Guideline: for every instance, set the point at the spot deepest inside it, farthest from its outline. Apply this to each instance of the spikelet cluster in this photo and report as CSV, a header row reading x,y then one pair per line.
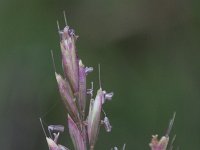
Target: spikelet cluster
x,y
83,127
83,124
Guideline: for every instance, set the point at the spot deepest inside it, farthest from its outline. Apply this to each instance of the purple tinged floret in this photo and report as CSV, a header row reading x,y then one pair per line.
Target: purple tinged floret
x,y
69,57
53,143
67,96
76,136
94,118
53,146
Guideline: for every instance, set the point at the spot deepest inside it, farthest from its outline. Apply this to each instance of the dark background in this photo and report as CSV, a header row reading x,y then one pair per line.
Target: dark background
x,y
149,55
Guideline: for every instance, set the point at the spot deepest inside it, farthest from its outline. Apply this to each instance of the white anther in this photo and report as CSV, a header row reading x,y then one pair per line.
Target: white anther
x,y
107,125
88,69
108,96
56,128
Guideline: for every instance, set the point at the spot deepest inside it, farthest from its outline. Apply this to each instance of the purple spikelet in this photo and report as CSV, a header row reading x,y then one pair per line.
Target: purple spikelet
x,y
76,135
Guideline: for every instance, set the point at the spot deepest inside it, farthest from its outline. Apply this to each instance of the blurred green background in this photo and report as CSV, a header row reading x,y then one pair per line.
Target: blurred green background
x,y
149,56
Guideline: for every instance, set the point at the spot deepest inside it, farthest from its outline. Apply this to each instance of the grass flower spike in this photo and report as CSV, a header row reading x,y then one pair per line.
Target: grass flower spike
x,y
83,125
84,122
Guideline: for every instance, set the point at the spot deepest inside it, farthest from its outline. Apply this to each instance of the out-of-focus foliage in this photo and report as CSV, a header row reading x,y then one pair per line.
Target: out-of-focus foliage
x,y
149,55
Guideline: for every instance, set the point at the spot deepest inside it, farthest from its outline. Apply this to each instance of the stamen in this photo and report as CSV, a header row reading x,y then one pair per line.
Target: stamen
x,y
88,69
108,96
90,91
